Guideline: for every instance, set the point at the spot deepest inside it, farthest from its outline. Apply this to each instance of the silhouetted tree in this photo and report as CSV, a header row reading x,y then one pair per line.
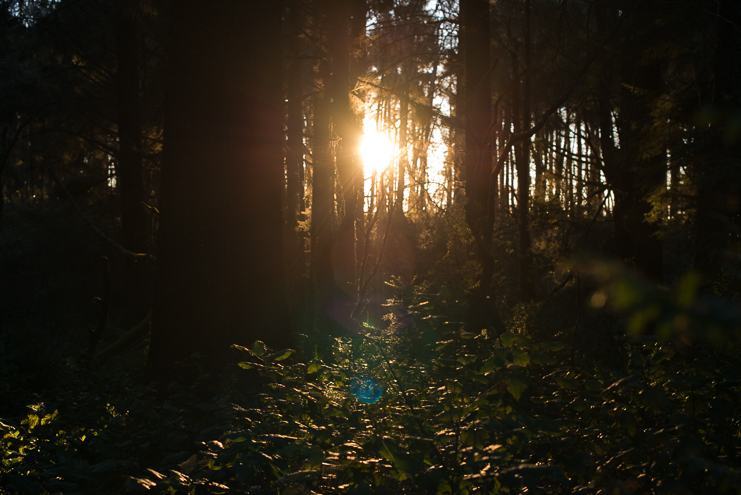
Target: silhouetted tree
x,y
221,249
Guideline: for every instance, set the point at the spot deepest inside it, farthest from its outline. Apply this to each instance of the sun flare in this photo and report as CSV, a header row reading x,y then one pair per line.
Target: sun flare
x,y
376,150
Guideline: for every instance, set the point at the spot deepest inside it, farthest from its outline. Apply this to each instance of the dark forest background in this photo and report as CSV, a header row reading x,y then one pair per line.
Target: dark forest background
x,y
204,289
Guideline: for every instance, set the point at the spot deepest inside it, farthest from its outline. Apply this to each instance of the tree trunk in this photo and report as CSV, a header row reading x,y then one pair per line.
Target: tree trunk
x,y
579,194
322,199
221,248
294,152
403,163
478,157
129,170
560,151
341,19
521,114
718,179
8,143
636,169
129,167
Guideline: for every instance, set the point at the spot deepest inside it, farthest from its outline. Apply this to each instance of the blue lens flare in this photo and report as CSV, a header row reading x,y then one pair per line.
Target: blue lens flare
x,y
365,389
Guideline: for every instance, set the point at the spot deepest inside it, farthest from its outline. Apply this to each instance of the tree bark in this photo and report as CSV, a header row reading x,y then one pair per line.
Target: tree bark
x,y
718,179
295,259
478,158
129,166
221,248
135,227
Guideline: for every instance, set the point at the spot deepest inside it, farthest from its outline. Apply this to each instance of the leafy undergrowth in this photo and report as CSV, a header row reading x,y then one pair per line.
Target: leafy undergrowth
x,y
458,413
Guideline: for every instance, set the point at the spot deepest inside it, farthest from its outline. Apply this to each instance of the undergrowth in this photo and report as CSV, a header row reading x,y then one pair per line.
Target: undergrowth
x,y
428,408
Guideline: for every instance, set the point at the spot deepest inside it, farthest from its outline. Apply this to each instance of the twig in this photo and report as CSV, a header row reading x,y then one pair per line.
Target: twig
x,y
515,138
364,287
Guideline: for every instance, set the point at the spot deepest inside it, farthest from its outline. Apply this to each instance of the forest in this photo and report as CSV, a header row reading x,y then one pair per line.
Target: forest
x,y
444,247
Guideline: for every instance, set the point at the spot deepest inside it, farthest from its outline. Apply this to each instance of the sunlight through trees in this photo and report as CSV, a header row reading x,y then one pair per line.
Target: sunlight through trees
x,y
363,247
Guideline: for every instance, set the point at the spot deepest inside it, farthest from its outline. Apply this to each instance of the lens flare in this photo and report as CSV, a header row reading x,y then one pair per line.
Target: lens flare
x,y
365,389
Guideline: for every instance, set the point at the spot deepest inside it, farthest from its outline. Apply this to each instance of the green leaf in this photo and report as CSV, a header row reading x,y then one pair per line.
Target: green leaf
x,y
632,381
280,355
314,367
552,346
487,366
519,357
258,349
330,411
407,464
567,383
444,488
247,366
32,421
467,359
314,455
533,475
515,387
542,358
139,484
454,414
474,437
507,339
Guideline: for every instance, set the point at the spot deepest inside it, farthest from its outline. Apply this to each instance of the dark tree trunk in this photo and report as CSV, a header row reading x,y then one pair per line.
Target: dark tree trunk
x,y
295,151
129,168
8,143
635,170
337,285
129,171
331,304
718,178
478,158
522,159
403,164
221,249
644,159
521,120
560,151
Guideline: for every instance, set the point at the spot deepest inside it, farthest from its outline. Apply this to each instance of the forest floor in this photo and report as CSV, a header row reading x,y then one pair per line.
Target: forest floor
x,y
647,402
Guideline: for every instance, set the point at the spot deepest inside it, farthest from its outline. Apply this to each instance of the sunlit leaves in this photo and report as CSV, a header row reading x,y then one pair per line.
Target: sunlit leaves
x,y
280,355
516,387
258,349
407,464
459,413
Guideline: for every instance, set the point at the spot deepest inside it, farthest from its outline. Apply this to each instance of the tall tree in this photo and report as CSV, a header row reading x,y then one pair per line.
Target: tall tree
x,y
521,116
478,155
716,174
221,250
129,166
295,205
135,227
629,92
346,27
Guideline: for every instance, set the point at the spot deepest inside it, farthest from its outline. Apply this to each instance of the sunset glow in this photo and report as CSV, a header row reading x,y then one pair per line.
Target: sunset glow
x,y
377,151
